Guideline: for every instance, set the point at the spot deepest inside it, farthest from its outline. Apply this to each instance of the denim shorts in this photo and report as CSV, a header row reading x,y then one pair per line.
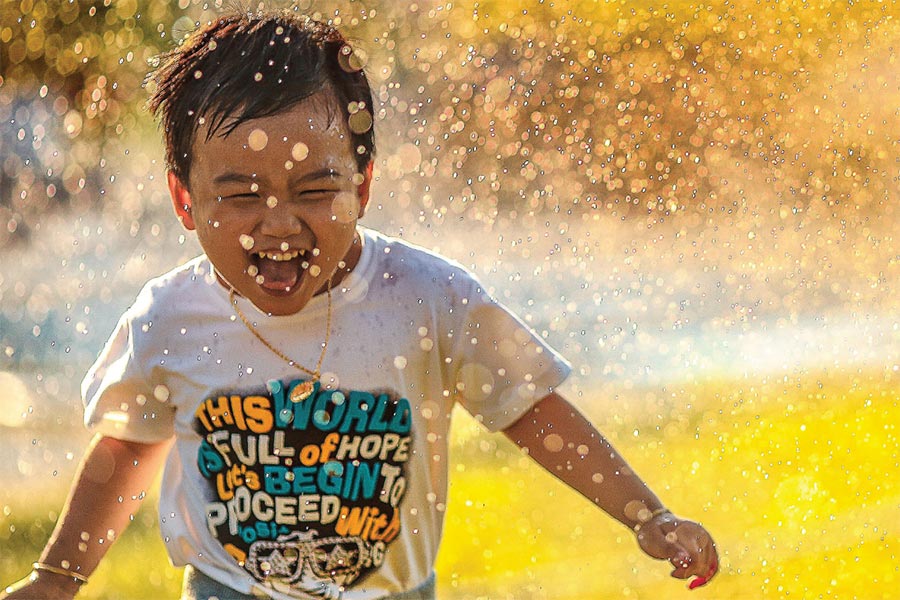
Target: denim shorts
x,y
198,586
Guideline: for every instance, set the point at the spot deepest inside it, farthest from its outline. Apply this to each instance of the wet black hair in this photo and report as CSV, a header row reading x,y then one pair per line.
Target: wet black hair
x,y
245,66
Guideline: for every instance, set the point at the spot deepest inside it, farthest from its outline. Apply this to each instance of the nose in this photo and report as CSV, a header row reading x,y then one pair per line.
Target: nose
x,y
279,221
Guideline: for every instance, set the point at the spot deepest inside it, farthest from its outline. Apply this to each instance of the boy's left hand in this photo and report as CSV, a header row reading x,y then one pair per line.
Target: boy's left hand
x,y
685,544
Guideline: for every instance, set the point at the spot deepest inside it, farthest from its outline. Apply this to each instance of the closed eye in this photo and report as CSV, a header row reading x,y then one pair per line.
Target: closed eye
x,y
319,192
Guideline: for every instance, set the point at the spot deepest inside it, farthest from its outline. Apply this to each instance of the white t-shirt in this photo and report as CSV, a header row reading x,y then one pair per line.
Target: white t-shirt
x,y
343,492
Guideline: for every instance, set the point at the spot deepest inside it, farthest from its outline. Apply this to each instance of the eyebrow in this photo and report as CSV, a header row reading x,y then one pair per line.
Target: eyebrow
x,y
233,177
326,173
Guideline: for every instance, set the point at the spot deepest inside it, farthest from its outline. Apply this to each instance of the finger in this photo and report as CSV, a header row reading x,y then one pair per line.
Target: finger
x,y
704,579
677,553
682,563
713,568
658,546
693,541
703,551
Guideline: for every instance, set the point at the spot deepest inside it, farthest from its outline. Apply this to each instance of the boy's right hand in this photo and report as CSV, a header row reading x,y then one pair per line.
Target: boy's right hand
x,y
41,586
685,544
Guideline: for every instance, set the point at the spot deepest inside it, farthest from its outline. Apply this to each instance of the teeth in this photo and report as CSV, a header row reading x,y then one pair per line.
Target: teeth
x,y
280,256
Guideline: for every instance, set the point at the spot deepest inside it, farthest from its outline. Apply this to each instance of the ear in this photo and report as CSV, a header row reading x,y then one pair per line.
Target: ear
x,y
363,190
181,200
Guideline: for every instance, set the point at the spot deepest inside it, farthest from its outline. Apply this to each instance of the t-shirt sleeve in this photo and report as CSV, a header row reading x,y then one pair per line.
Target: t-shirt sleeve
x,y
499,367
119,400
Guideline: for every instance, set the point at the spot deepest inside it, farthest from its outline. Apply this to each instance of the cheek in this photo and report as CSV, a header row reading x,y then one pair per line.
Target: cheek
x,y
345,208
222,217
212,224
221,230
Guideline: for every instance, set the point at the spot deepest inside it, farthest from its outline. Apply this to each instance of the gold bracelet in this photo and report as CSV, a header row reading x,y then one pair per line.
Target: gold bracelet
x,y
59,571
653,515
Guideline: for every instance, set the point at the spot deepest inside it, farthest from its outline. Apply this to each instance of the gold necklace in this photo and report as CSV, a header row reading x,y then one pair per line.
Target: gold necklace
x,y
304,390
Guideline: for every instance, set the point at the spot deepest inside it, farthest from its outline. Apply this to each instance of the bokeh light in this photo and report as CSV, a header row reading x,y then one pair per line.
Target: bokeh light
x,y
697,203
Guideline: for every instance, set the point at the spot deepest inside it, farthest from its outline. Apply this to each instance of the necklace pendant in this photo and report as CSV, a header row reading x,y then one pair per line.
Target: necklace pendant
x,y
302,391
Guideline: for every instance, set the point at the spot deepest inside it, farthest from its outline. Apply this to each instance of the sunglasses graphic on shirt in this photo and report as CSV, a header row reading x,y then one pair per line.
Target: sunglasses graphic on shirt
x,y
338,559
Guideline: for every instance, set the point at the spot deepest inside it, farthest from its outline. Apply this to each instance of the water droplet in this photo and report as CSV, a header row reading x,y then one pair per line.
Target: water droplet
x,y
636,510
247,241
554,442
400,362
351,59
428,409
299,151
271,201
360,122
321,417
330,381
257,140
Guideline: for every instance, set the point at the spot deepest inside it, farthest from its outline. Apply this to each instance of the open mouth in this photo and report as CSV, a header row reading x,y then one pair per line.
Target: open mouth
x,y
276,270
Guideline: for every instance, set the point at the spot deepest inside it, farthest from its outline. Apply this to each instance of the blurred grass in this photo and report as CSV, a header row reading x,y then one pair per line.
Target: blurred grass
x,y
792,477
791,474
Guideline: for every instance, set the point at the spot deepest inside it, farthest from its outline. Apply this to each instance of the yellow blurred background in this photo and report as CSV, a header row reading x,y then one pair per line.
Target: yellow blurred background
x,y
697,203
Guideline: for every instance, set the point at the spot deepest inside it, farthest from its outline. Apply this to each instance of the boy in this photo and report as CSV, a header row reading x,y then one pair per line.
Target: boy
x,y
298,378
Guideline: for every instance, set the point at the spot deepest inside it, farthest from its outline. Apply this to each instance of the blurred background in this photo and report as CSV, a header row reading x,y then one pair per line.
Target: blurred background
x,y
696,203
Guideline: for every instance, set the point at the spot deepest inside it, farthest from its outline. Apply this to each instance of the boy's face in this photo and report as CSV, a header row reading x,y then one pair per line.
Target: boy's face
x,y
275,204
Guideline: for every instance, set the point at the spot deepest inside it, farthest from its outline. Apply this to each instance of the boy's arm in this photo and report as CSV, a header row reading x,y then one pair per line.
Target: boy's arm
x,y
565,443
111,482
